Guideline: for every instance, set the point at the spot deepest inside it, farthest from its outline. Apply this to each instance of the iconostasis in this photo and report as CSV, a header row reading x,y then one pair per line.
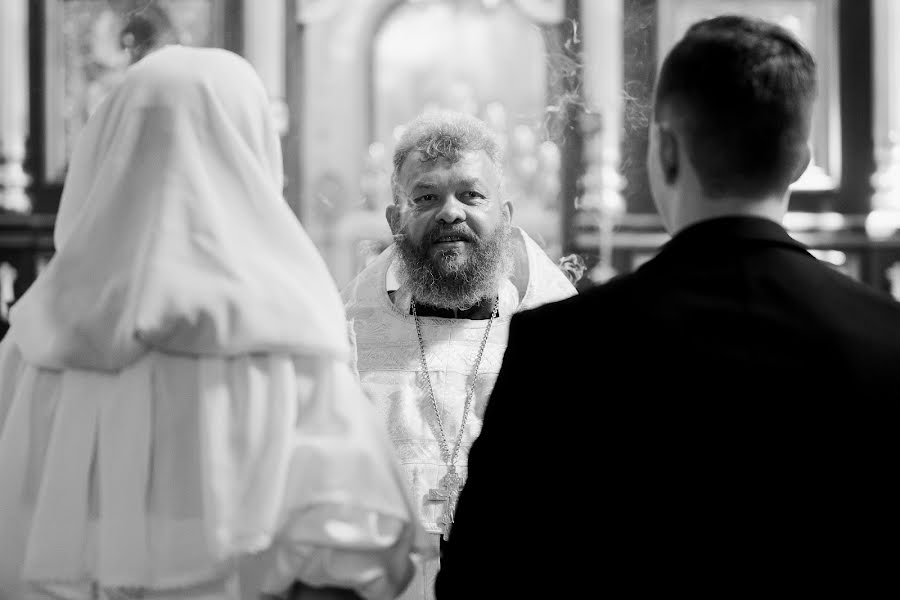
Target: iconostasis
x,y
565,84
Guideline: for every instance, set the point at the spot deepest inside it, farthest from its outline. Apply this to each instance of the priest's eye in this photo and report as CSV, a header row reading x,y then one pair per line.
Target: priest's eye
x,y
471,196
425,198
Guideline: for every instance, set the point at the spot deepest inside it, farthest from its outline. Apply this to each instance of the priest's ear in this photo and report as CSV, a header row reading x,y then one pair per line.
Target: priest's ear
x,y
507,207
392,214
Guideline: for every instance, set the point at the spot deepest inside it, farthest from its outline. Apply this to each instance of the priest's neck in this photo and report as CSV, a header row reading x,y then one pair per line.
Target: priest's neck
x,y
478,312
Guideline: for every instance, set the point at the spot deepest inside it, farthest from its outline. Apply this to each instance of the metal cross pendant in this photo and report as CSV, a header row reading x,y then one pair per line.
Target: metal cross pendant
x,y
448,493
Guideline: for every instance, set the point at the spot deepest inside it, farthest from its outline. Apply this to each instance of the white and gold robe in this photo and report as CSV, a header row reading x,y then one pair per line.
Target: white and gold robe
x,y
390,368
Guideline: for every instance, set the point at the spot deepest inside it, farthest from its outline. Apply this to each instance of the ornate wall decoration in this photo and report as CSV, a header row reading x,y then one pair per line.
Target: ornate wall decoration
x,y
87,49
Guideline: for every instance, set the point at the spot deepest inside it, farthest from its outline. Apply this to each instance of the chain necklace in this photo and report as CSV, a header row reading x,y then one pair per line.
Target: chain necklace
x,y
450,484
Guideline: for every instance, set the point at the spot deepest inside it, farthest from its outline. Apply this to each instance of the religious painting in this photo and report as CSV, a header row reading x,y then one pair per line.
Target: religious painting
x,y
89,44
814,22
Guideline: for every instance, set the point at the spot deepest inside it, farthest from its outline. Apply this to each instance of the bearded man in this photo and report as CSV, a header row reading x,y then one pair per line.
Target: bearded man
x,y
429,350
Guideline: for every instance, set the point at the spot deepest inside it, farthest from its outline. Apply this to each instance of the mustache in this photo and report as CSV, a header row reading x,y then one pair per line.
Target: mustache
x,y
460,231
445,281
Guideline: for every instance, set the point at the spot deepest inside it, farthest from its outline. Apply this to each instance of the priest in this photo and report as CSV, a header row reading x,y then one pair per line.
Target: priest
x,y
430,316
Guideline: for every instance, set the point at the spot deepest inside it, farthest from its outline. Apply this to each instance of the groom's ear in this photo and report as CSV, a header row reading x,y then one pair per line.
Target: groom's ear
x,y
802,163
392,214
669,155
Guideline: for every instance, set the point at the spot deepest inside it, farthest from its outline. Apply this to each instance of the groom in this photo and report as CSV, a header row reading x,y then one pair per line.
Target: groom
x,y
726,426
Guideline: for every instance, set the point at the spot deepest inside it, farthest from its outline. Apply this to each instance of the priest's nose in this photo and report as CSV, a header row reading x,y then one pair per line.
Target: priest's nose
x,y
451,211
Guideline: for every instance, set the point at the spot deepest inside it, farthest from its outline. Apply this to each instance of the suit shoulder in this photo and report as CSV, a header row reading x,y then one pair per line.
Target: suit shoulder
x,y
590,304
866,301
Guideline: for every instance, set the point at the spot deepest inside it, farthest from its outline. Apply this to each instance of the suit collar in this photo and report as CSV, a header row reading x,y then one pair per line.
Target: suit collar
x,y
730,231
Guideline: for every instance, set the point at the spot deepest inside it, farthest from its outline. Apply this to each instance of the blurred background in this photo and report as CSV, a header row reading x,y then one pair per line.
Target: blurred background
x,y
566,84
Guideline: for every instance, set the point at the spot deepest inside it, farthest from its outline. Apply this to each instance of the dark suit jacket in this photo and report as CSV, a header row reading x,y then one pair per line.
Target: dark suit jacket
x,y
719,421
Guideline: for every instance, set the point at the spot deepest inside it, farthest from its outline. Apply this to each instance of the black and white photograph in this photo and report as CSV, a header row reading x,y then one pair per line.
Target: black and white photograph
x,y
448,299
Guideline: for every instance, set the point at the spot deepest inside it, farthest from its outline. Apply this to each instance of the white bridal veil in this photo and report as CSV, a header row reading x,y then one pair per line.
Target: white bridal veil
x,y
174,387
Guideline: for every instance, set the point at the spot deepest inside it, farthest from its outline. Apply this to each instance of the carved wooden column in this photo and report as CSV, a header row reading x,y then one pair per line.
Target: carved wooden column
x,y
7,288
13,104
265,48
603,67
884,219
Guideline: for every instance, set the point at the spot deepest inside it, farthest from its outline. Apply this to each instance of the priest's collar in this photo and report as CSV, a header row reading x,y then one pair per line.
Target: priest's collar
x,y
509,302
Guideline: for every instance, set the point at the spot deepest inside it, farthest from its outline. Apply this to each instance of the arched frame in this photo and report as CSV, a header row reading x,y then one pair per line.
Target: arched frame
x,y
335,115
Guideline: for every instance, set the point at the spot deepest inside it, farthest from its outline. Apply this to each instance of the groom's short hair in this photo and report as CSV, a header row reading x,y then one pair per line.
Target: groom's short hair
x,y
742,90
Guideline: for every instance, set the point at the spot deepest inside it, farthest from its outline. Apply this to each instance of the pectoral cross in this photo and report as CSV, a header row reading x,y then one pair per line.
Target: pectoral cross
x,y
448,493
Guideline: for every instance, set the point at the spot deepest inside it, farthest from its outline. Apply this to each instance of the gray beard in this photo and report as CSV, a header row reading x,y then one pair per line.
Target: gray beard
x,y
443,282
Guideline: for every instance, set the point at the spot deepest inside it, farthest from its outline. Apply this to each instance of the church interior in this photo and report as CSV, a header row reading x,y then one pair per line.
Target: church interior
x,y
566,85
